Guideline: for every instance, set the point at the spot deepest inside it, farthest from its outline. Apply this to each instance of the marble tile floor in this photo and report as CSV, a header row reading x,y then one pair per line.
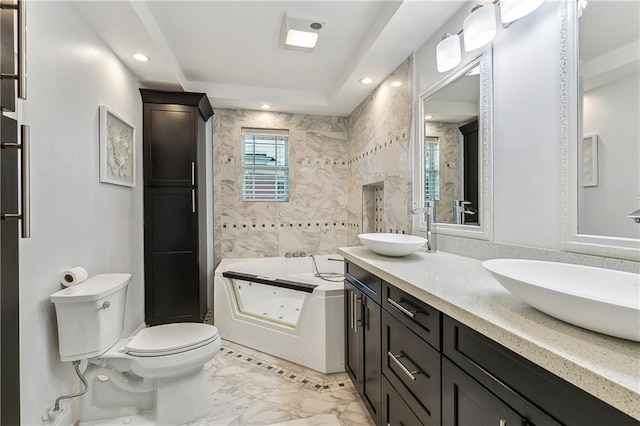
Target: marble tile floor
x,y
249,387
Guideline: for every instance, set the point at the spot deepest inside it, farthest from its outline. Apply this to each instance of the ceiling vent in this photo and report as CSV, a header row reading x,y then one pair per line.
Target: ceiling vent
x,y
299,34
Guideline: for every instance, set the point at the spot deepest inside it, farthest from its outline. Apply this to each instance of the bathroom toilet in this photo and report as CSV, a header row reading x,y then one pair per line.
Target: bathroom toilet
x,y
155,376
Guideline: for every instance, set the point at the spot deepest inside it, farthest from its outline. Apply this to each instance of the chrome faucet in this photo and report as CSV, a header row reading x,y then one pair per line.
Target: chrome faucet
x,y
459,211
430,210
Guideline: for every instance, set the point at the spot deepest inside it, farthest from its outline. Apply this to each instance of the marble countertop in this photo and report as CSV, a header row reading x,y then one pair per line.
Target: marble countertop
x,y
606,367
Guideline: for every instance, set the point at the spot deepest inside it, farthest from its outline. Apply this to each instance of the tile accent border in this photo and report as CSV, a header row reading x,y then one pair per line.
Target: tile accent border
x,y
285,372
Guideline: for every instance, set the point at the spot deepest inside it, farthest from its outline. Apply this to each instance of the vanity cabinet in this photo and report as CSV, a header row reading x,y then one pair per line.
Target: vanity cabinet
x,y
411,352
537,395
466,402
395,410
362,336
175,255
434,370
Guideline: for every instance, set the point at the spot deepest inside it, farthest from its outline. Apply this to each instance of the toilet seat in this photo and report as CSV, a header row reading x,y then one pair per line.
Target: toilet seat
x,y
170,339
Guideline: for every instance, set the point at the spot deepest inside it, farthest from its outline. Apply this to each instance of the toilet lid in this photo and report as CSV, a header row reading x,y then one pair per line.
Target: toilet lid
x,y
170,339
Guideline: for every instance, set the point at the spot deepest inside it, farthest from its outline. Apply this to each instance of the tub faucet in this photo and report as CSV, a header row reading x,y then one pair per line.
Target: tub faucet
x,y
430,210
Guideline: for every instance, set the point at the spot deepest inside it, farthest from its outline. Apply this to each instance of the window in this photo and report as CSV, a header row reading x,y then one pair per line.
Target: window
x,y
431,168
265,165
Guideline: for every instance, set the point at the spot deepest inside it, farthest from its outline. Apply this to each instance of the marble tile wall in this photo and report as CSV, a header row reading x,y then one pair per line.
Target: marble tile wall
x,y
379,151
371,146
315,218
372,207
449,149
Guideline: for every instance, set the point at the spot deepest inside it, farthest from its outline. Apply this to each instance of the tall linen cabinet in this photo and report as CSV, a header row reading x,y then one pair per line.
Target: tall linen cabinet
x,y
175,249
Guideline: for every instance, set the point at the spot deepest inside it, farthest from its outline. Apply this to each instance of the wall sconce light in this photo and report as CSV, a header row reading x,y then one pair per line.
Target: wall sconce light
x,y
479,28
299,34
448,54
512,10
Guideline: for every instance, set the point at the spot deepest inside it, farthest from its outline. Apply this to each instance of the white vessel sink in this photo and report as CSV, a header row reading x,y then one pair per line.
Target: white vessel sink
x,y
392,244
597,299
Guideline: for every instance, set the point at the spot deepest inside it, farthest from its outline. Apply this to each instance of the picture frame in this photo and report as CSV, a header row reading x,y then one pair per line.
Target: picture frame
x,y
590,160
117,149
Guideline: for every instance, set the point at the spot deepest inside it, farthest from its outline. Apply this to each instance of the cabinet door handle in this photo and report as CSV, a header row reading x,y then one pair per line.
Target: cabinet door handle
x,y
405,370
20,76
193,201
357,308
25,185
401,308
193,173
352,321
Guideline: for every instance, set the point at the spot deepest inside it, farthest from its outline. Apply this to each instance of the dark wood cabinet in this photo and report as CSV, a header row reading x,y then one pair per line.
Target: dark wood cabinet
x,y
467,403
9,196
170,145
362,341
537,395
433,370
174,205
412,366
395,411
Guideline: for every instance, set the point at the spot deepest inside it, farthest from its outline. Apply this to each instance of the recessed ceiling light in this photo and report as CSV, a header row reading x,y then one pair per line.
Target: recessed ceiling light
x,y
265,106
140,57
428,117
366,80
396,84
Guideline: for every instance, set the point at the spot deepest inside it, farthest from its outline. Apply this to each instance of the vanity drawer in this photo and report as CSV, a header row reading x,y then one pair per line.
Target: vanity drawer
x,y
540,396
412,366
396,412
364,280
421,318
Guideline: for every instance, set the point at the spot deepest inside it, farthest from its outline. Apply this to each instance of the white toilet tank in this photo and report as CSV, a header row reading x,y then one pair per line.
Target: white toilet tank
x,y
90,315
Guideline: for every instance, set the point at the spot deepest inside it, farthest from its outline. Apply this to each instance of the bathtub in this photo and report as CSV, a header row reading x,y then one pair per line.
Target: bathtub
x,y
277,306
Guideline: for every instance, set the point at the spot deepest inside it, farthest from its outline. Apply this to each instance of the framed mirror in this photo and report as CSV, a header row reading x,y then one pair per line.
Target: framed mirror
x,y
600,132
453,155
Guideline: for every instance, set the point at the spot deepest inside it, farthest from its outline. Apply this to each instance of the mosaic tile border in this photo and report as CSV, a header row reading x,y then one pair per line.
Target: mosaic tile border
x,y
305,381
302,224
356,226
379,147
319,162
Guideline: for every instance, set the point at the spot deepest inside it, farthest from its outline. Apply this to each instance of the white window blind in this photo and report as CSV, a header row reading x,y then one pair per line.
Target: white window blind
x,y
265,165
431,168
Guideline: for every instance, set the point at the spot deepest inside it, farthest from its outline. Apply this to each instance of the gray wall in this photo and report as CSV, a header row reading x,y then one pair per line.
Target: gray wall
x,y
76,220
526,123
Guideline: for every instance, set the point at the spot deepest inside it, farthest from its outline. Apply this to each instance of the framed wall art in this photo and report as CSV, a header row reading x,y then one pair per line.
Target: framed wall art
x,y
117,149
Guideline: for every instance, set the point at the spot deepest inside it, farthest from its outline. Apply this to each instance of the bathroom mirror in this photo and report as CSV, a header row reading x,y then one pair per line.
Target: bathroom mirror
x,y
600,106
453,151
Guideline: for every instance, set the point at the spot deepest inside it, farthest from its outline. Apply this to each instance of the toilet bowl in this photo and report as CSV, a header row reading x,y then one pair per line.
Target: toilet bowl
x,y
155,376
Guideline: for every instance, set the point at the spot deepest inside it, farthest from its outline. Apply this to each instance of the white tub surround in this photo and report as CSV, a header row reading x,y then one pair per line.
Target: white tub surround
x,y
603,366
278,306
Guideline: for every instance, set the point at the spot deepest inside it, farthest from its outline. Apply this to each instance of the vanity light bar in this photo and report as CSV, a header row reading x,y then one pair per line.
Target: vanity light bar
x,y
479,29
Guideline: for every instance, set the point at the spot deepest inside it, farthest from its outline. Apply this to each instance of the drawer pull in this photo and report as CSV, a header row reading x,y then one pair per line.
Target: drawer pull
x,y
410,374
401,308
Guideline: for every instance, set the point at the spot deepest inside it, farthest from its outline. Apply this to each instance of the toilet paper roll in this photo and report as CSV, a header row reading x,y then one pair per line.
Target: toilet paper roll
x,y
73,276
